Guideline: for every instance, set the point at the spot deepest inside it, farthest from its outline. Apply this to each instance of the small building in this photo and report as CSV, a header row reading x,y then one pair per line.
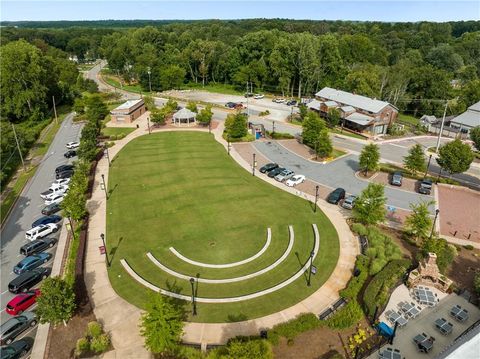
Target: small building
x,y
467,120
428,274
128,112
359,113
184,116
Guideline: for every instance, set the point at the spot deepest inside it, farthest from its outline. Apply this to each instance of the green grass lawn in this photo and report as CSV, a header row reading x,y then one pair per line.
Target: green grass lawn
x,y
181,189
407,119
115,131
211,87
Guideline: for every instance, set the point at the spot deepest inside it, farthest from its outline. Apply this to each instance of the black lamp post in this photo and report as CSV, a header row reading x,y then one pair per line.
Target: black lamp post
x,y
194,304
273,128
254,164
437,211
228,144
428,166
105,246
316,199
149,81
104,186
108,156
148,124
312,253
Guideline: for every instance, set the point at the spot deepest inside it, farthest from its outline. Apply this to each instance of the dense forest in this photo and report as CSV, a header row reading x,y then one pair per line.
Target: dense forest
x,y
411,65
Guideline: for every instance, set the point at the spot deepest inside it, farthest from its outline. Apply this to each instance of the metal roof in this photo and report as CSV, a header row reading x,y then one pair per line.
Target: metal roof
x,y
357,101
475,107
360,118
347,109
314,104
128,104
471,117
330,103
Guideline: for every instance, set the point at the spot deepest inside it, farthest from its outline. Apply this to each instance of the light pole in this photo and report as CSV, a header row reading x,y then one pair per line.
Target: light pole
x,y
108,156
316,199
194,304
273,127
254,164
437,211
441,128
312,253
149,80
148,124
428,166
104,186
228,144
105,246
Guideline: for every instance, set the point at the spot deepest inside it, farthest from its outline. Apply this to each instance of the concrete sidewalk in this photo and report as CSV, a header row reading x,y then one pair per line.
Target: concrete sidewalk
x,y
121,318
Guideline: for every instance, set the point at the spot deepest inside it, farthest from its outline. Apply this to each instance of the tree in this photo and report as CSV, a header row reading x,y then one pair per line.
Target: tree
x,y
369,158
455,157
445,252
171,76
192,106
238,125
312,126
415,160
476,283
303,111
158,116
149,103
57,302
205,115
333,117
475,137
95,109
162,324
323,144
419,222
370,205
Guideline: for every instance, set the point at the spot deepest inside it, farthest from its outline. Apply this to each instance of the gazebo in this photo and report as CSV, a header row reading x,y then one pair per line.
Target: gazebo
x,y
184,116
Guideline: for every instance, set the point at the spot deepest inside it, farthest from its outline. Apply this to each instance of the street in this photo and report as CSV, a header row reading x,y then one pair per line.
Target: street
x,y
27,209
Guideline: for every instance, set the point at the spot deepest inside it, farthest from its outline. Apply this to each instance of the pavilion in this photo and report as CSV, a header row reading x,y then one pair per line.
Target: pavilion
x,y
184,116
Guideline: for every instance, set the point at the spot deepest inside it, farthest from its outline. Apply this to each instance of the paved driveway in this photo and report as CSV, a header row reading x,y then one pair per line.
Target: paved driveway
x,y
339,173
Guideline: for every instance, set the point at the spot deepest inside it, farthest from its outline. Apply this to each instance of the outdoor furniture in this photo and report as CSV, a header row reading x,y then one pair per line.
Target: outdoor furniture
x,y
425,296
459,313
392,316
401,321
419,338
424,344
443,326
390,353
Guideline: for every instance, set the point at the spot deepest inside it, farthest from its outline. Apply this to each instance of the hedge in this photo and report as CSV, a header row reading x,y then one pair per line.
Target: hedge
x,y
346,317
293,327
280,135
378,290
356,283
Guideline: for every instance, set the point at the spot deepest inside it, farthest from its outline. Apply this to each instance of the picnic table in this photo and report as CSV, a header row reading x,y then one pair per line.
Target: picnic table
x,y
443,326
459,313
410,310
390,353
425,296
423,343
395,317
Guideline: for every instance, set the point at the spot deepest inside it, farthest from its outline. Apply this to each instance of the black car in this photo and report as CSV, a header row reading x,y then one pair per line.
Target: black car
x,y
268,167
51,209
396,179
64,174
70,154
275,172
230,104
425,187
46,220
336,196
37,246
249,94
291,103
28,279
64,168
16,350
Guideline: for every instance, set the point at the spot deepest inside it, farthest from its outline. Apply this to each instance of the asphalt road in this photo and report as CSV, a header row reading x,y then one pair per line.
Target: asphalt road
x,y
27,209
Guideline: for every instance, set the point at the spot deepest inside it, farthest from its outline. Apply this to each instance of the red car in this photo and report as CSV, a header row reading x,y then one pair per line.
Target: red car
x,y
22,302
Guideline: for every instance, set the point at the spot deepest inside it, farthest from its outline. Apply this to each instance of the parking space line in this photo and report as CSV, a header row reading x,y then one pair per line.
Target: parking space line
x,y
24,334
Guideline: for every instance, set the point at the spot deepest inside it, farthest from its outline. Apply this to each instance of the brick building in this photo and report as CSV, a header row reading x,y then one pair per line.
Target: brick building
x,y
128,112
358,113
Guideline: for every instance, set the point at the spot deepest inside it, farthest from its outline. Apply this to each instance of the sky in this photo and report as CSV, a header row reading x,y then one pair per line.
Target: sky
x,y
386,10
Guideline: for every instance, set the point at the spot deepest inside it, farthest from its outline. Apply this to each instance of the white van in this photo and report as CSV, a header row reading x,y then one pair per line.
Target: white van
x,y
41,231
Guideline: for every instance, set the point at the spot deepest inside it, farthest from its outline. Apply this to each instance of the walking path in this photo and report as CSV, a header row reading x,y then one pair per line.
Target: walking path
x,y
120,317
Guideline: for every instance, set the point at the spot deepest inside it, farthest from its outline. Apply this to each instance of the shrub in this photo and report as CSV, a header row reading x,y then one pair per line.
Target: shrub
x,y
360,229
82,346
100,343
468,246
264,113
356,283
280,135
381,249
346,316
94,329
293,327
476,283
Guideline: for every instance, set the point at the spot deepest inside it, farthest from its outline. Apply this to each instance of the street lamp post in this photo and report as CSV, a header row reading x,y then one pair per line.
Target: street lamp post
x,y
273,127
194,304
428,166
108,156
104,186
437,211
149,80
312,253
105,246
254,164
316,199
148,124
228,144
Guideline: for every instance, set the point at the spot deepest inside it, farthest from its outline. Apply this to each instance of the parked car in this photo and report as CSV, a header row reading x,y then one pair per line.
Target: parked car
x,y
275,172
41,231
72,145
64,168
291,103
64,174
16,350
70,154
230,104
349,202
46,220
15,326
60,182
336,196
58,198
278,100
284,175
268,167
258,96
51,209
239,106
294,180
27,280
22,302
396,179
37,246
51,192
249,94
425,187
31,262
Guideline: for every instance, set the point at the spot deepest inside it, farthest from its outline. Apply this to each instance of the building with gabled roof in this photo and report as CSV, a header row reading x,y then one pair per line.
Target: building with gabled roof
x,y
467,120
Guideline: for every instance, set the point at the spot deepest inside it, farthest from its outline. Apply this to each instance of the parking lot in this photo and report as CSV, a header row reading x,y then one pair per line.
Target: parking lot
x,y
28,208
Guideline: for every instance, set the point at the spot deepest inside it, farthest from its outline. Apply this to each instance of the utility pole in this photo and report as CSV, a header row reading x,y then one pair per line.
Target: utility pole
x,y
149,80
55,110
248,93
18,147
441,127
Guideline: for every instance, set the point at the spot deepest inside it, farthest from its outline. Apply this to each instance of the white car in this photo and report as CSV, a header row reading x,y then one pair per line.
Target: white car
x,y
58,198
60,182
41,231
297,179
72,145
51,192
258,96
278,100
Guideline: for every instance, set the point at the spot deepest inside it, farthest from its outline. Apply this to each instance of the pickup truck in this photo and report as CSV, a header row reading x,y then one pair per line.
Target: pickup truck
x,y
425,187
53,191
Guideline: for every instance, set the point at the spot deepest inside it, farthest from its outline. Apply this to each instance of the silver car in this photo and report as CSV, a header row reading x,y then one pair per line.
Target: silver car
x,y
349,202
284,175
15,326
